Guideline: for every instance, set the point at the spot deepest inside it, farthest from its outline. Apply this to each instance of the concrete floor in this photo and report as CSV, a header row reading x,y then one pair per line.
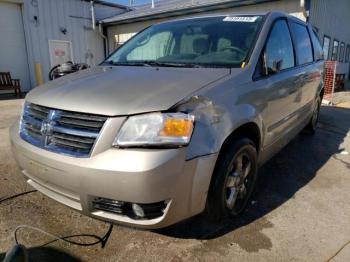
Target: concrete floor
x,y
301,211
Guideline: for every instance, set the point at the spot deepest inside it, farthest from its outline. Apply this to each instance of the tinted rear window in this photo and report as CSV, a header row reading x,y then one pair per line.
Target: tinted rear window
x,y
318,52
303,43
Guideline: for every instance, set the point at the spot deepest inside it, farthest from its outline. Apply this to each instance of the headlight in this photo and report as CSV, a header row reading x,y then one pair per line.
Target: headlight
x,y
25,107
156,129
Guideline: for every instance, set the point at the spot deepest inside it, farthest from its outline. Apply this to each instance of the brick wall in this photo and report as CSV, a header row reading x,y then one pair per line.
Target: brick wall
x,y
329,71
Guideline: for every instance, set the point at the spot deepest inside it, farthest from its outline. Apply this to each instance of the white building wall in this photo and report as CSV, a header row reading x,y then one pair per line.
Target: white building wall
x,y
332,18
52,16
13,54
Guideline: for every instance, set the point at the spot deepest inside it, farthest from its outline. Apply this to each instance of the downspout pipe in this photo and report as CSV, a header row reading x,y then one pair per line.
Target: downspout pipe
x,y
105,40
93,20
305,5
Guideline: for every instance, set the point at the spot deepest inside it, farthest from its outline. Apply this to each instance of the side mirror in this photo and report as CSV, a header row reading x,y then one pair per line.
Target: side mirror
x,y
264,70
276,66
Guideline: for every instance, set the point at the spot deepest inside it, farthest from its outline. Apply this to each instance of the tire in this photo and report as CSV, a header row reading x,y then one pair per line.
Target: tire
x,y
312,125
231,186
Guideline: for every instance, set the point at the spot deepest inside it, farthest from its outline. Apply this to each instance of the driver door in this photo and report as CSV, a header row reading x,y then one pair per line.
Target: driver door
x,y
282,84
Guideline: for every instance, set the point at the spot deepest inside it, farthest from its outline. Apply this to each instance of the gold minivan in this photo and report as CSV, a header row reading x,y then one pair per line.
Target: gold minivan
x,y
176,121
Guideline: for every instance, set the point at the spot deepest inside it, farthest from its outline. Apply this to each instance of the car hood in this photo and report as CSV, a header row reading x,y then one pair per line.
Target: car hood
x,y
125,90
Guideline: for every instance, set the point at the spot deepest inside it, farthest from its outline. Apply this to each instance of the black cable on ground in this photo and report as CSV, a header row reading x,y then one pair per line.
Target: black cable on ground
x,y
17,195
103,240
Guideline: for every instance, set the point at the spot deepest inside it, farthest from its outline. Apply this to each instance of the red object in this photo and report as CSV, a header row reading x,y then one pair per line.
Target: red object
x,y
60,52
329,77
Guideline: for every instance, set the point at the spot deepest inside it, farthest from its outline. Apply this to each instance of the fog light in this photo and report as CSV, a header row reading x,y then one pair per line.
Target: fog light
x,y
138,210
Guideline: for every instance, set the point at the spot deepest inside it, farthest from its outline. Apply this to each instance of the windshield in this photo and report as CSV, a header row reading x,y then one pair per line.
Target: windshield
x,y
223,41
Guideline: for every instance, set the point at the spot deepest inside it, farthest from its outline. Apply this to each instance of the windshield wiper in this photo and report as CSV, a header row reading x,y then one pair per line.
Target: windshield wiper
x,y
154,63
169,64
124,63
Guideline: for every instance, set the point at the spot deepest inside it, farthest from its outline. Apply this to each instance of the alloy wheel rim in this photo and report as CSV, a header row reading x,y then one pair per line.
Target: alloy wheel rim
x,y
237,181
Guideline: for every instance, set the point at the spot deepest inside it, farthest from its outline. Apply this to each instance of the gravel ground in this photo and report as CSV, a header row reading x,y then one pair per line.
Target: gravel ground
x,y
300,211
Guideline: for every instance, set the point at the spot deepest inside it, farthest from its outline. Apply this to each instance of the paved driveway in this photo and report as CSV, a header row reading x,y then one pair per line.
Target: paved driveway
x,y
301,210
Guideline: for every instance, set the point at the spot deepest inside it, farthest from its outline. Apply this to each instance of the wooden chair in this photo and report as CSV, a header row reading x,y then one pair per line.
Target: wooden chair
x,y
7,83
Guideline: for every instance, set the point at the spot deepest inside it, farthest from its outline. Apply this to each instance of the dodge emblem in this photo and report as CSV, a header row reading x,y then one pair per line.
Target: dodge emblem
x,y
46,128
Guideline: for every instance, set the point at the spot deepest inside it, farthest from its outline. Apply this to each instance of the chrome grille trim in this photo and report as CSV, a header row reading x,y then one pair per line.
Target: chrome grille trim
x,y
75,132
60,131
31,120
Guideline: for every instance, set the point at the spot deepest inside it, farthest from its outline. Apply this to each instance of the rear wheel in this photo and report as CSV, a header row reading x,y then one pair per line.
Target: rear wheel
x,y
233,180
312,125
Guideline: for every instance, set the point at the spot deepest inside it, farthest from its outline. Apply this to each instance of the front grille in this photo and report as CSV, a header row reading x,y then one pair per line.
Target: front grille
x,y
60,131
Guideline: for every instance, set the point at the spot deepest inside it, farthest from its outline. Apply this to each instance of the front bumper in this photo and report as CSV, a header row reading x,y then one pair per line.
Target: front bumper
x,y
132,175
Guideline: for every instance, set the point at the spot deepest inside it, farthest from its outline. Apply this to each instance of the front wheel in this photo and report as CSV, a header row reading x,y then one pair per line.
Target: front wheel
x,y
233,180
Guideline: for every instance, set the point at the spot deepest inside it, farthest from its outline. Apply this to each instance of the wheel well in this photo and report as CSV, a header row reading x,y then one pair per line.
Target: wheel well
x,y
322,93
248,130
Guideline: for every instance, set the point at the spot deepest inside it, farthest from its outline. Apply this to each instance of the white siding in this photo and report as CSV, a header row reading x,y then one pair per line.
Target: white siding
x,y
13,55
332,18
54,15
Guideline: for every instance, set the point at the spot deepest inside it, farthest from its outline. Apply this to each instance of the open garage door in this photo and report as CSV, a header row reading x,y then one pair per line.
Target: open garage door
x,y
13,52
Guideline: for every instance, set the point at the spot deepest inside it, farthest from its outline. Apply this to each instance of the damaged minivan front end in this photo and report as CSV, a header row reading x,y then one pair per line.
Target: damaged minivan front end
x,y
134,140
174,122
138,169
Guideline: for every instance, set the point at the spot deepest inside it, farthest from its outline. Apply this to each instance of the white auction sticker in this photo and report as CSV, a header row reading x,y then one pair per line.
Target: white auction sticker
x,y
246,19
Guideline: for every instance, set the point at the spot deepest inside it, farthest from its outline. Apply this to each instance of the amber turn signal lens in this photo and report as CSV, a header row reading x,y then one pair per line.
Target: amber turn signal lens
x,y
177,127
153,129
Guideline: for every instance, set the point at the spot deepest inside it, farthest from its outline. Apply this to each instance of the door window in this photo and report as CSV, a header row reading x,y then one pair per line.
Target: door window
x,y
302,43
341,53
279,47
335,50
326,44
318,52
347,54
